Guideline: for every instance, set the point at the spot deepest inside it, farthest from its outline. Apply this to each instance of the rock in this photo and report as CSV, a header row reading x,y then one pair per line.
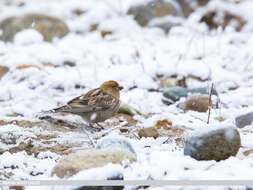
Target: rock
x,y
105,33
213,19
244,120
220,118
215,143
6,27
148,132
154,9
202,2
186,7
78,12
86,159
202,91
247,152
190,6
167,82
198,103
48,26
16,187
109,143
173,94
3,71
165,128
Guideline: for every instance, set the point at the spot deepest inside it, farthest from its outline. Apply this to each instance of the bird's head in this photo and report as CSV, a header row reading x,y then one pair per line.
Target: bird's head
x,y
111,87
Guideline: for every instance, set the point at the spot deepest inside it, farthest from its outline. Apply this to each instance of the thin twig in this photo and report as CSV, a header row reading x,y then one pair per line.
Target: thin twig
x,y
136,136
209,104
90,139
167,140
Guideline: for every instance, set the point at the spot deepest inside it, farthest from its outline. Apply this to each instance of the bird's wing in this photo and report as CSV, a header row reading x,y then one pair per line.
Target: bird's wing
x,y
94,100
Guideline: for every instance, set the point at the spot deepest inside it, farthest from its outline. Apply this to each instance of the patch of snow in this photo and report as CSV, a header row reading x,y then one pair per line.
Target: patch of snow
x,y
28,36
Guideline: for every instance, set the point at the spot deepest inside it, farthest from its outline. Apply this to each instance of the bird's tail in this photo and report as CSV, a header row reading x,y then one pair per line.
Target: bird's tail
x,y
55,110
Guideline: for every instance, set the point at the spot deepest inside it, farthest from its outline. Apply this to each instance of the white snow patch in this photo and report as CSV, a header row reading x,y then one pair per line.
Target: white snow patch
x,y
28,36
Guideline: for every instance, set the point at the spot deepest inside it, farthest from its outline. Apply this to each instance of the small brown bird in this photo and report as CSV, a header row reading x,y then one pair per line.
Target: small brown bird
x,y
96,105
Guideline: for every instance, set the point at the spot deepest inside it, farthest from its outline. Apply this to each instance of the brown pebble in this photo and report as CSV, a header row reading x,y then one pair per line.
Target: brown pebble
x,y
198,103
148,132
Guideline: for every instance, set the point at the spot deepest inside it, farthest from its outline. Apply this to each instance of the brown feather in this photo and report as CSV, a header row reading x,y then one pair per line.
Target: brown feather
x,y
103,102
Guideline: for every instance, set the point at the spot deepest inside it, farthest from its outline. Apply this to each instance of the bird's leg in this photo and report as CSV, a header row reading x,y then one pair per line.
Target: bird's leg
x,y
90,138
90,128
90,125
96,126
100,126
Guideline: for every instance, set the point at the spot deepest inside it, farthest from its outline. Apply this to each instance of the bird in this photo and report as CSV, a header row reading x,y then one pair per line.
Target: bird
x,y
97,105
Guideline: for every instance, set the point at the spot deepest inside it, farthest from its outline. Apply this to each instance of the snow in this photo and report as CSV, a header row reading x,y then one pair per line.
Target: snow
x,y
227,128
118,143
110,170
190,49
28,36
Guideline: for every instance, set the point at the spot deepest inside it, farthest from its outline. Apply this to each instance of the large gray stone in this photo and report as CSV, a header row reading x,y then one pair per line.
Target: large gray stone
x,y
244,120
215,143
48,26
173,94
154,9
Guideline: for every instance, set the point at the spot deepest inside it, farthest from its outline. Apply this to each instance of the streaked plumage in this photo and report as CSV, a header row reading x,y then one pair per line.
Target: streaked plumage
x,y
96,105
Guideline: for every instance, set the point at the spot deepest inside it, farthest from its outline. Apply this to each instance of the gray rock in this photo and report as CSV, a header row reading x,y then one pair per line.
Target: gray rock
x,y
244,120
186,7
118,143
48,26
154,9
203,2
173,94
216,143
189,6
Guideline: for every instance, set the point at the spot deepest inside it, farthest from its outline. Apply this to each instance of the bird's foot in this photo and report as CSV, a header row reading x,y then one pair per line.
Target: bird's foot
x,y
90,128
100,126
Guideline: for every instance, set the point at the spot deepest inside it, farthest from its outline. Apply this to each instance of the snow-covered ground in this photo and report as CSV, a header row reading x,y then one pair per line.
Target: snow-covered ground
x,y
226,58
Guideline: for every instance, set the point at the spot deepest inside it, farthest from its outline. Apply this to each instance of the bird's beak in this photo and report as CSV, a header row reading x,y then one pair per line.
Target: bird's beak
x,y
120,87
